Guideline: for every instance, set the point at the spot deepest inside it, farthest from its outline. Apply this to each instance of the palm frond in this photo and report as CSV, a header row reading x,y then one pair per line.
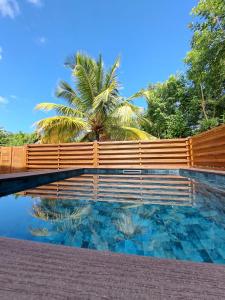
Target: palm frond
x,y
60,109
125,133
127,114
70,61
84,73
105,102
60,128
136,95
111,74
65,91
99,74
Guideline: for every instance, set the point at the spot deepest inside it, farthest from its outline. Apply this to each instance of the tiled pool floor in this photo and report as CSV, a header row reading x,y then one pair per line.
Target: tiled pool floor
x,y
166,216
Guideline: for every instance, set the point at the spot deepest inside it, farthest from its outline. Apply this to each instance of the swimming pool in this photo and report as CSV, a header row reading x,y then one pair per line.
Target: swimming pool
x,y
159,214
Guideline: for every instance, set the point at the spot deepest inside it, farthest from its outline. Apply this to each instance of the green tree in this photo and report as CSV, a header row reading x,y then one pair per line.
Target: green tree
x,y
17,139
172,110
184,105
4,137
21,138
177,126
94,110
206,60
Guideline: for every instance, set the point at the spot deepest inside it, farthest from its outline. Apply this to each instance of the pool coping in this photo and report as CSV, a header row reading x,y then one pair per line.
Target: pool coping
x,y
28,173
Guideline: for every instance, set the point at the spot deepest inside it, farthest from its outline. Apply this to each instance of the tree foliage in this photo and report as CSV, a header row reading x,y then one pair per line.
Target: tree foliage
x,y
171,108
206,59
16,139
94,110
193,102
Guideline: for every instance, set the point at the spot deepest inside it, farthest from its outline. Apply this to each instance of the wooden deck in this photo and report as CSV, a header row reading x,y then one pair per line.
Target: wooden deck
x,y
40,271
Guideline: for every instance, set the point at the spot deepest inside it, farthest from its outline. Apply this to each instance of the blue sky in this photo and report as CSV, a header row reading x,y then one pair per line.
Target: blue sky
x,y
36,36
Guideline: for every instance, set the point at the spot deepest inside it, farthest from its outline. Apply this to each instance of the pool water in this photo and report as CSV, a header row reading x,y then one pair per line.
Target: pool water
x,y
164,216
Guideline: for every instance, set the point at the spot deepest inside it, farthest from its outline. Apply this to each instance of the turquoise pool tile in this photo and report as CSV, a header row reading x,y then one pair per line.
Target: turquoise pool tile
x,y
189,232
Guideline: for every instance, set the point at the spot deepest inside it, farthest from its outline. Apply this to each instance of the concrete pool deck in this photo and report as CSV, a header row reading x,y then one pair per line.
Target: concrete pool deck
x,y
31,270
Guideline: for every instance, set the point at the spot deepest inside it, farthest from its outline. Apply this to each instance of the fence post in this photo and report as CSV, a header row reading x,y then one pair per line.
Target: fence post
x,y
95,154
58,156
191,151
25,153
140,153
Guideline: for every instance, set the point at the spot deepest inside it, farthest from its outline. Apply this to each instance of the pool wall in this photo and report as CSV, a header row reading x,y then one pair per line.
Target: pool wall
x,y
212,178
16,182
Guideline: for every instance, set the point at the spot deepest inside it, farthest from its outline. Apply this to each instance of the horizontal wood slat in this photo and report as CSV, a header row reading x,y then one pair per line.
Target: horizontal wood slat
x,y
59,156
125,154
208,148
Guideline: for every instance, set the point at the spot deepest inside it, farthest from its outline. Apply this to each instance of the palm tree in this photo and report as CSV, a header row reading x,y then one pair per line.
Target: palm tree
x,y
94,110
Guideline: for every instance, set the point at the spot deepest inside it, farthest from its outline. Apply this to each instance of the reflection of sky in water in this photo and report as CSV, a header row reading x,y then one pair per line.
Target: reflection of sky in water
x,y
195,232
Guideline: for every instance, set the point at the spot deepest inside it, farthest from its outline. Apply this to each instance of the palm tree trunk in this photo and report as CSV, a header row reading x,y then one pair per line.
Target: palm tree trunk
x,y
97,135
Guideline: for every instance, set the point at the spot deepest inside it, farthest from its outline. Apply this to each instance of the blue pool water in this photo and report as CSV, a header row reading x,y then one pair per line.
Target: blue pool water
x,y
167,217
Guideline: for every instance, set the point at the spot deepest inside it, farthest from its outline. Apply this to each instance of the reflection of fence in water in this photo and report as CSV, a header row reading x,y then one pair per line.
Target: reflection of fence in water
x,y
158,189
209,190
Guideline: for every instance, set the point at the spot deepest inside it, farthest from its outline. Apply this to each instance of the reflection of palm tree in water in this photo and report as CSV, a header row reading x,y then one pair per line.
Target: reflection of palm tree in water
x,y
64,216
67,218
97,225
126,225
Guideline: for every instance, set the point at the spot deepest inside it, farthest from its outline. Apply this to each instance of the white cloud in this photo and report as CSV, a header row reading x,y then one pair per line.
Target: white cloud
x,y
1,51
41,40
35,2
9,8
3,100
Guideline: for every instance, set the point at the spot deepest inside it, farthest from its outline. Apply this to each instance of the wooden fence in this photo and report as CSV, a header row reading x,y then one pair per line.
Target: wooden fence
x,y
59,156
208,148
203,150
130,154
12,159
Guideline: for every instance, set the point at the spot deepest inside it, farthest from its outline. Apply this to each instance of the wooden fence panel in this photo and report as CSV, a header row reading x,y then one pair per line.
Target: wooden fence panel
x,y
208,148
12,159
59,156
123,154
18,158
42,156
76,155
146,154
6,159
